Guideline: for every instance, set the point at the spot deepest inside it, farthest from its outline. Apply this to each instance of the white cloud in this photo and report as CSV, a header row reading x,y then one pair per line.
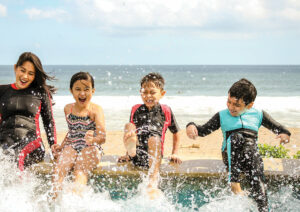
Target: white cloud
x,y
57,14
3,10
209,15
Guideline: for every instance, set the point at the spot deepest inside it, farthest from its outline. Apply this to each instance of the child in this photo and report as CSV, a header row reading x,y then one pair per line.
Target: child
x,y
240,124
144,135
81,148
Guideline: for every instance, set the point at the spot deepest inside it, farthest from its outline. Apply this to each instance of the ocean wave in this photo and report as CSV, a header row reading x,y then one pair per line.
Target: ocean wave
x,y
186,108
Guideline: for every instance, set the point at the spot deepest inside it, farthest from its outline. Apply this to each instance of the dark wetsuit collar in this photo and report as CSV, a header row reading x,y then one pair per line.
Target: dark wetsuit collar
x,y
13,85
155,107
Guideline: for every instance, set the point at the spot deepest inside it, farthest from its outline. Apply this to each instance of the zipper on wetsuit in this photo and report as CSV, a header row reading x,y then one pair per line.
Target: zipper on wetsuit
x,y
242,121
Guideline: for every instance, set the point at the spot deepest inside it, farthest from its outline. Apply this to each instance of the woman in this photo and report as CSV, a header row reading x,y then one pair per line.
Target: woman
x,y
21,104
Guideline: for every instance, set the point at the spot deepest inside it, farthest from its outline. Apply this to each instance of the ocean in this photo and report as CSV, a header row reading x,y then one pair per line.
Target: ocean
x,y
194,92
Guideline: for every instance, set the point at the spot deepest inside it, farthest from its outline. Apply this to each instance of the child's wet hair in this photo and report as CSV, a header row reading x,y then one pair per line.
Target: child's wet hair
x,y
155,78
243,89
81,76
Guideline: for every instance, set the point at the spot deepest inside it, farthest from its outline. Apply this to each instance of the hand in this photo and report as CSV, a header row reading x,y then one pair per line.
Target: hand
x,y
192,132
124,159
284,138
175,159
56,148
89,136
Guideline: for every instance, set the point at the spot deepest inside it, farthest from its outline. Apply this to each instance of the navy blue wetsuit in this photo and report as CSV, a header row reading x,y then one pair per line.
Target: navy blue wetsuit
x,y
148,124
239,149
19,124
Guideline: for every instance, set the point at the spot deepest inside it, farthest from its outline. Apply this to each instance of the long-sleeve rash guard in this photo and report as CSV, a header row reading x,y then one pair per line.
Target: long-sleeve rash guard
x,y
214,123
19,119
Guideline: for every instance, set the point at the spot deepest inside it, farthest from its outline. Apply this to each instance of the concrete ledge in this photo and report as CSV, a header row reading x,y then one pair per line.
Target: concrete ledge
x,y
193,167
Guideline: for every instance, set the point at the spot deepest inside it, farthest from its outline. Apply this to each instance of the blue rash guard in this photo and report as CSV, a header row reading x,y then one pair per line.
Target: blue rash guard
x,y
239,149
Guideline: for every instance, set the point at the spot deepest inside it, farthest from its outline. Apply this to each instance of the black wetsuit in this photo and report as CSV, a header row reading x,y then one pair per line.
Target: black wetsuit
x,y
148,124
19,125
245,157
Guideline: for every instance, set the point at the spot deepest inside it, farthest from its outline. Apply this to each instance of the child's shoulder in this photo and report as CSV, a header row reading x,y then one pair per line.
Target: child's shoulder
x,y
95,108
68,107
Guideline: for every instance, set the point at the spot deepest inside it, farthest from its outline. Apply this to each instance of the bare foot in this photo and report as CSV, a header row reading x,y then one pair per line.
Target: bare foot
x,y
154,193
130,145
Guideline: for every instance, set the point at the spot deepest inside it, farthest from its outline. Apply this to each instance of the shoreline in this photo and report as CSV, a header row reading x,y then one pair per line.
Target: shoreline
x,y
208,147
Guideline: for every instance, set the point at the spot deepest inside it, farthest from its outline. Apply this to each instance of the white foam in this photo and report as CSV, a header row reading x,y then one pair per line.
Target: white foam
x,y
186,108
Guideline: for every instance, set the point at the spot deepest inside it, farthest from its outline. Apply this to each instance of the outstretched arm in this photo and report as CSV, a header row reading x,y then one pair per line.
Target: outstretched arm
x,y
193,130
174,157
48,118
282,133
174,128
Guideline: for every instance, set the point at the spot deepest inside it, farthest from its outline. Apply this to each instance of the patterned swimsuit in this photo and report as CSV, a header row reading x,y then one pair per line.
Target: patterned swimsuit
x,y
78,126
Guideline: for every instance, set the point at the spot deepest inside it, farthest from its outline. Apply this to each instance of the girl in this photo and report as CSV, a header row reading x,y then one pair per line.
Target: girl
x,y
21,104
81,148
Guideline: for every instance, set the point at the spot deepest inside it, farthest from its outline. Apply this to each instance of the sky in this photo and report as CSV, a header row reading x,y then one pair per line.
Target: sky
x,y
162,32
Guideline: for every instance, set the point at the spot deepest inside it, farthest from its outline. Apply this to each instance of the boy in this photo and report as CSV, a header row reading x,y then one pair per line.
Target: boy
x,y
144,135
240,124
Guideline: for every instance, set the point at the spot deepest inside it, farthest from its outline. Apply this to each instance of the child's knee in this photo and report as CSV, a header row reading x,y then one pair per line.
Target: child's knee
x,y
90,153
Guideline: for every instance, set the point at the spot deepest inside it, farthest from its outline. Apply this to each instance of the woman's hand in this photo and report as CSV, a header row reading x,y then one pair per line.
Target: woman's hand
x,y
56,149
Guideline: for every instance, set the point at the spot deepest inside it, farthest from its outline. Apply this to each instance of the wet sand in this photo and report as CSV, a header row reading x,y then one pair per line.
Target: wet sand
x,y
208,147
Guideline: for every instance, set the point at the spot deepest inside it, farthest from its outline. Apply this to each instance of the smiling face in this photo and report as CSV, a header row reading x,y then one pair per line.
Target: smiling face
x,y
237,106
151,94
82,91
25,74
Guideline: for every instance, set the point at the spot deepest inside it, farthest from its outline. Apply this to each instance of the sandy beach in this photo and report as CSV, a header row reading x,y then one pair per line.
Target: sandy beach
x,y
208,147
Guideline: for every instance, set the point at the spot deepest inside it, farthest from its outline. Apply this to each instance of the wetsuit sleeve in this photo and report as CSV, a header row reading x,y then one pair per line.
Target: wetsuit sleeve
x,y
212,125
273,125
3,88
174,128
48,119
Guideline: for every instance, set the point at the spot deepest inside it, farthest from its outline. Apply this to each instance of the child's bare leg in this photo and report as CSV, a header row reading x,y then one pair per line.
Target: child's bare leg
x,y
236,188
87,160
154,151
64,164
130,139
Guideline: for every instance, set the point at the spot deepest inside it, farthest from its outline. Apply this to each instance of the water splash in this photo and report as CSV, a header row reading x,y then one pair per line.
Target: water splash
x,y
28,192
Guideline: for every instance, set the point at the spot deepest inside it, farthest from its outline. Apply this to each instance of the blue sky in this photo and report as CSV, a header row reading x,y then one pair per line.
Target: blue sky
x,y
151,32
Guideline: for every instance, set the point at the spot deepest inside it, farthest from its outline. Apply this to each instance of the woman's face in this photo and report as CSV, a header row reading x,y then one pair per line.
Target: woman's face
x,y
25,75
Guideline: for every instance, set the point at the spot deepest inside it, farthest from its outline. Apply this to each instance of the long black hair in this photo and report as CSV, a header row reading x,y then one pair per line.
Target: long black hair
x,y
40,75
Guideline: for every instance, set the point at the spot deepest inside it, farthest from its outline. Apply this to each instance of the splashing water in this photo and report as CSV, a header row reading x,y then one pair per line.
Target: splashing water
x,y
28,192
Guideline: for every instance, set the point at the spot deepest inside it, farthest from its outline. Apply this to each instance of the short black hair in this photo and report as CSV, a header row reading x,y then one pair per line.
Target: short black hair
x,y
155,78
243,89
81,76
